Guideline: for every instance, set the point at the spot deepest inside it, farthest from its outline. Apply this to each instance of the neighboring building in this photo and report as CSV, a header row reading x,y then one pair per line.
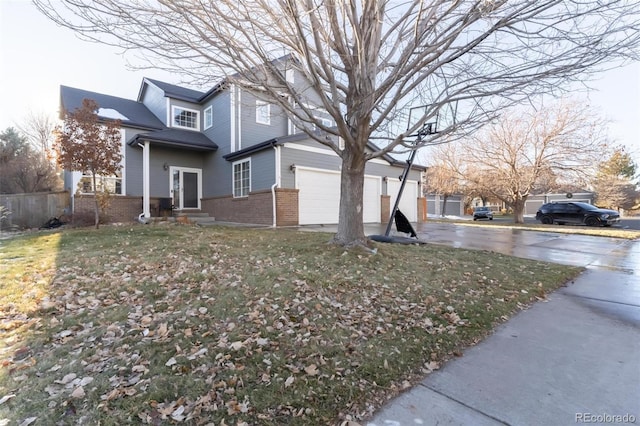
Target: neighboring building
x,y
228,154
534,202
436,205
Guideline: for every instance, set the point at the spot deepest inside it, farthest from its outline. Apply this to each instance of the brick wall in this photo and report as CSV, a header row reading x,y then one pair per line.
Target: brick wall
x,y
256,208
121,208
287,207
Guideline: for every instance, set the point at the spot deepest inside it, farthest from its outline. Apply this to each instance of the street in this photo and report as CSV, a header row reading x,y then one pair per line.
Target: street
x,y
625,223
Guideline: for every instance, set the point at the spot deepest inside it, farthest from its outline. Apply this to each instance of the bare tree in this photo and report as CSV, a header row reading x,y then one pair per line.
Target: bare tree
x,y
441,177
86,144
38,127
521,149
368,61
22,168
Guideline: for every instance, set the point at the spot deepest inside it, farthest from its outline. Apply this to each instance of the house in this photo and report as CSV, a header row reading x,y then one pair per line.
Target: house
x,y
230,155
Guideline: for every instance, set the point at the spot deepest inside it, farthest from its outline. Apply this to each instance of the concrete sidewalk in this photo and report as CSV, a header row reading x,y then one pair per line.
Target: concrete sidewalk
x,y
572,359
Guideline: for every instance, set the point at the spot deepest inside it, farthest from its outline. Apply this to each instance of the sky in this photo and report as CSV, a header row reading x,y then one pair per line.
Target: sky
x,y
37,57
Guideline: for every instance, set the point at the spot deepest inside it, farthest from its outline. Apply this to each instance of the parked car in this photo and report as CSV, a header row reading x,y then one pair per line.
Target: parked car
x,y
482,213
575,212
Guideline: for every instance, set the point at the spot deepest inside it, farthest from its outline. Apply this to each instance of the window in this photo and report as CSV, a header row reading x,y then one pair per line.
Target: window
x,y
241,178
263,112
208,117
112,184
186,118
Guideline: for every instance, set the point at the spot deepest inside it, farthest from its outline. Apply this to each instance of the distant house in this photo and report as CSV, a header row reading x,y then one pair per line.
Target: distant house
x,y
534,202
230,155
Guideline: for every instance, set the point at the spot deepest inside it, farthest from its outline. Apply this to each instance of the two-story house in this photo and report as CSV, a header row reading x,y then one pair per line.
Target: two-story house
x,y
226,153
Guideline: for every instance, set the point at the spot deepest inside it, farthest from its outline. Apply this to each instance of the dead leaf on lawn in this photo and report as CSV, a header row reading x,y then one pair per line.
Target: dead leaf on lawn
x,y
311,370
78,393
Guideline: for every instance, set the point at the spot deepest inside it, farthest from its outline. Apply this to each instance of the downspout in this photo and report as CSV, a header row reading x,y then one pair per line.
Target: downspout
x,y
276,184
146,214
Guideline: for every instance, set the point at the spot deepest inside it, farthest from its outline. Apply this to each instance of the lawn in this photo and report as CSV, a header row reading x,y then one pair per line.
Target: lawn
x,y
171,324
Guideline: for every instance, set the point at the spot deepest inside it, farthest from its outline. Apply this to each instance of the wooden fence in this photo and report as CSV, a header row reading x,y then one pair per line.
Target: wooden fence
x,y
33,210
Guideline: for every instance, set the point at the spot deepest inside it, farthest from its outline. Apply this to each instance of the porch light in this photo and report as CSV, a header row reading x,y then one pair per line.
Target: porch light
x,y
292,168
165,166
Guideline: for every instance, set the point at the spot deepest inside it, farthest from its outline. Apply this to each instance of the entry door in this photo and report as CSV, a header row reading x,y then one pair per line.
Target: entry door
x,y
186,187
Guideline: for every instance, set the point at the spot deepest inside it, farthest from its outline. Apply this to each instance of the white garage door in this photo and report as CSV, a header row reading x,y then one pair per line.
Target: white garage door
x,y
408,203
319,196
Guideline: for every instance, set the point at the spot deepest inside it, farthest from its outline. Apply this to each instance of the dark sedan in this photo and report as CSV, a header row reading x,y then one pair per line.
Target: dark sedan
x,y
576,213
482,213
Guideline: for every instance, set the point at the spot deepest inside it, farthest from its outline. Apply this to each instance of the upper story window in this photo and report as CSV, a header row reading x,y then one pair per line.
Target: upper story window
x,y
208,117
263,112
185,118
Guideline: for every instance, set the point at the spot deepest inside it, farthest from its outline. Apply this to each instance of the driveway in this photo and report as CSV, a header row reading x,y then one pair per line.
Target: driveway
x,y
567,249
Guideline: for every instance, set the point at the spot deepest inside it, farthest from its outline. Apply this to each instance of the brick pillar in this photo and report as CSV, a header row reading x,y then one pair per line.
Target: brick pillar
x,y
385,208
422,209
287,207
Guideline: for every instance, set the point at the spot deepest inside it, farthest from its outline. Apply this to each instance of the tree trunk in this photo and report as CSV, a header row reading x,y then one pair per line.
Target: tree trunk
x,y
350,224
518,210
443,213
95,200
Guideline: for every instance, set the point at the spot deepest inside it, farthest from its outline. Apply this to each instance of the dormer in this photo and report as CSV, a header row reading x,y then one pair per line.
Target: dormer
x,y
176,106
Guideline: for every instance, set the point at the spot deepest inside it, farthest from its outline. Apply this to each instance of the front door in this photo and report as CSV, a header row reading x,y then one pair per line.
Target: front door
x,y
186,187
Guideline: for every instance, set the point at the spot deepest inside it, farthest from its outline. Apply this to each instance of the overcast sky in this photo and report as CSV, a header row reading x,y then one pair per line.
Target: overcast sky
x,y
37,56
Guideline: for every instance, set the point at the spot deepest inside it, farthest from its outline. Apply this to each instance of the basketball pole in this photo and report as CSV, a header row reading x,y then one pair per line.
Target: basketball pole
x,y
405,173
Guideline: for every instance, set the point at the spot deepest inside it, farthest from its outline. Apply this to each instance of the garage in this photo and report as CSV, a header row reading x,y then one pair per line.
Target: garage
x,y
409,201
319,196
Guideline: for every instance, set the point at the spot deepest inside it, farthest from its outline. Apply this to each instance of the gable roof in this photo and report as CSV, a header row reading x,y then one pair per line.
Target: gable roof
x,y
177,138
131,113
173,91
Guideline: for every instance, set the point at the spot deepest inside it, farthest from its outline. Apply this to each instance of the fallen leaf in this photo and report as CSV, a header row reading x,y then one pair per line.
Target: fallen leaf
x,y
66,379
78,392
28,421
172,361
311,370
289,381
6,398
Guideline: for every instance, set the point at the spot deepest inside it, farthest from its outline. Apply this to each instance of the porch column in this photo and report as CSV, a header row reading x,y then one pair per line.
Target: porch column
x,y
145,180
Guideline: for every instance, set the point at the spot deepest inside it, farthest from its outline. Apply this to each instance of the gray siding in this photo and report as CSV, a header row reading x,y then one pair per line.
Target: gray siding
x,y
251,132
133,165
153,98
263,173
331,161
216,176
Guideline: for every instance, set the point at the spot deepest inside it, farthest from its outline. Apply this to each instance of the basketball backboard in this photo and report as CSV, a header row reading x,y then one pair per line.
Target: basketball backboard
x,y
432,118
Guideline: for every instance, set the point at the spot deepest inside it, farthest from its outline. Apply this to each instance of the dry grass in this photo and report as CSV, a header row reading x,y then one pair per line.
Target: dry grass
x,y
180,324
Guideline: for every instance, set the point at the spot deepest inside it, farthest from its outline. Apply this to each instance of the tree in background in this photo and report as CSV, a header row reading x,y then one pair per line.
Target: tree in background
x,y
441,177
615,185
24,169
89,145
523,150
38,128
367,62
